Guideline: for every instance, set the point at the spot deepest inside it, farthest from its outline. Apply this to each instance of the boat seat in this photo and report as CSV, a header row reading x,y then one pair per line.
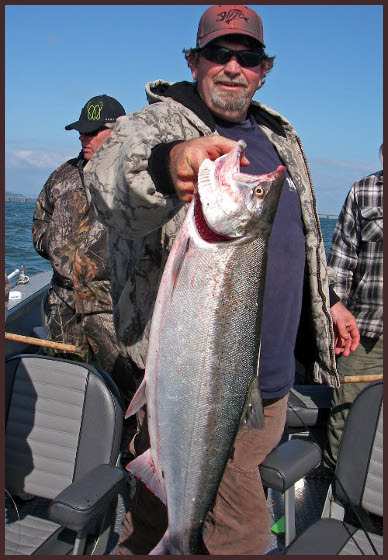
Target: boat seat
x,y
358,483
62,441
288,463
308,406
41,331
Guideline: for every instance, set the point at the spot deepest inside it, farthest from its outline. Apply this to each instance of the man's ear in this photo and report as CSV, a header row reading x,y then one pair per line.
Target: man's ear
x,y
263,72
193,67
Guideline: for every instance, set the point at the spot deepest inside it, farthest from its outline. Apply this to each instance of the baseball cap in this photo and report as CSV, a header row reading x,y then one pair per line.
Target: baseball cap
x,y
227,20
97,111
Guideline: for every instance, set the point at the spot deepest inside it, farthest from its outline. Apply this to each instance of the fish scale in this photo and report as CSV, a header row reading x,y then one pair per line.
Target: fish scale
x,y
203,350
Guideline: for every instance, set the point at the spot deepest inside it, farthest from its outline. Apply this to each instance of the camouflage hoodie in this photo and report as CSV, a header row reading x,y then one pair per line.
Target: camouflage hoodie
x,y
132,193
67,233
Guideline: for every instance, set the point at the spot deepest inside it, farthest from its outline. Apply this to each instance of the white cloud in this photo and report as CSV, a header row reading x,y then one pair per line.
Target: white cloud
x,y
344,164
27,158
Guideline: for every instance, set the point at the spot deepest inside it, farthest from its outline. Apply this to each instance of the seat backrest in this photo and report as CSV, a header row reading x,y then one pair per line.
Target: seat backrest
x,y
43,304
360,457
62,419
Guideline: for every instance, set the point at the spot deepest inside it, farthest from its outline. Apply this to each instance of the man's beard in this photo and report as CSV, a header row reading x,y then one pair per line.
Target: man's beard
x,y
230,101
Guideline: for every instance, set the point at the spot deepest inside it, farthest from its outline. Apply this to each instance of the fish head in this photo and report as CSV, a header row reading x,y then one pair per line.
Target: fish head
x,y
233,206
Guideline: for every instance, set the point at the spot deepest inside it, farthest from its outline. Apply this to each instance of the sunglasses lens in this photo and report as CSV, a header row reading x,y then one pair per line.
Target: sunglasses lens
x,y
94,133
221,55
249,58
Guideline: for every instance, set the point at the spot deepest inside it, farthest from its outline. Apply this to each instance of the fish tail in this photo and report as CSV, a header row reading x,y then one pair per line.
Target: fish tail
x,y
163,546
166,546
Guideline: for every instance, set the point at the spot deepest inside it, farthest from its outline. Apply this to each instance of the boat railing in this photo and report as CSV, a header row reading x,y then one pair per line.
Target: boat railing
x,y
13,274
22,279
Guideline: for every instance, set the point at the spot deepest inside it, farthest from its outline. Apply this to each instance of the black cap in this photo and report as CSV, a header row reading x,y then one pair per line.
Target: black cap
x,y
98,111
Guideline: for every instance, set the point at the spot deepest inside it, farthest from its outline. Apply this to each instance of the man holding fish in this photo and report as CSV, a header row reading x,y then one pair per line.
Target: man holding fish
x,y
140,182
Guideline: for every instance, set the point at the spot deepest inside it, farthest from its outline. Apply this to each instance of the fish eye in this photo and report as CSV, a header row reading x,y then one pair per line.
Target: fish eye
x,y
258,191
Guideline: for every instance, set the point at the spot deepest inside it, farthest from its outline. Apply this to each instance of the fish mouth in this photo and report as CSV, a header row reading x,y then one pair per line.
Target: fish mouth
x,y
230,162
203,229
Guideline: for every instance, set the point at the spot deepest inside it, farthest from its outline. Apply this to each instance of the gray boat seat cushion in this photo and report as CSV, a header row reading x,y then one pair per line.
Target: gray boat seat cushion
x,y
308,405
333,537
25,533
63,418
40,332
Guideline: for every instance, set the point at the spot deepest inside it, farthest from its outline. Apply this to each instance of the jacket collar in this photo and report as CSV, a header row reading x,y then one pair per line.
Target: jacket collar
x,y
186,93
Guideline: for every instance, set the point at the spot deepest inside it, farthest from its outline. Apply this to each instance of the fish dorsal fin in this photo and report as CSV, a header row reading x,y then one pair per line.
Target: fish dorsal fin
x,y
138,400
143,467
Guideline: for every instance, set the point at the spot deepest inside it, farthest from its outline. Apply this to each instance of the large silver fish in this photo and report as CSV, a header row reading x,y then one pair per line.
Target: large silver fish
x,y
202,362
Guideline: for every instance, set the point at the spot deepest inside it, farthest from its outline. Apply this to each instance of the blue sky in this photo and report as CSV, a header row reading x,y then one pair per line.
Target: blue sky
x,y
327,80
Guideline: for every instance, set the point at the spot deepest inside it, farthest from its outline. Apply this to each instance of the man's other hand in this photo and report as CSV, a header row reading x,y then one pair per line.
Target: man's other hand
x,y
347,335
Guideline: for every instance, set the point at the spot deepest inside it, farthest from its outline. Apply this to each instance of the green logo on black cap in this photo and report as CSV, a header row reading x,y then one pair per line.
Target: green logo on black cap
x,y
94,111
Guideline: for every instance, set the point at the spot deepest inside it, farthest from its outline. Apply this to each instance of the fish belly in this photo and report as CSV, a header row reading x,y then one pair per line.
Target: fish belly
x,y
203,356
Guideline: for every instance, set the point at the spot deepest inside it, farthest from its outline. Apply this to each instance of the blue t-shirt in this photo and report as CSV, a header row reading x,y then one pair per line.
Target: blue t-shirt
x,y
285,267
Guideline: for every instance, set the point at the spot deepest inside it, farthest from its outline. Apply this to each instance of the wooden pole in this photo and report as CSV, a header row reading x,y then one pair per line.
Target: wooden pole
x,y
362,378
40,342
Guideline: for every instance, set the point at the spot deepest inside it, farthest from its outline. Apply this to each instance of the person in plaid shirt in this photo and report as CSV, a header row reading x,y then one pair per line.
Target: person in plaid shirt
x,y
356,255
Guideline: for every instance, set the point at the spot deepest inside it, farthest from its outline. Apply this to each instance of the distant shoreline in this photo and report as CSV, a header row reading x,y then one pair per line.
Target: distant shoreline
x,y
9,197
12,196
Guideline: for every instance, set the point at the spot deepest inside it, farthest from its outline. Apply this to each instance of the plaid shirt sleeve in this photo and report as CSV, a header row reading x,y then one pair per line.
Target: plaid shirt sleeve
x,y
343,253
356,254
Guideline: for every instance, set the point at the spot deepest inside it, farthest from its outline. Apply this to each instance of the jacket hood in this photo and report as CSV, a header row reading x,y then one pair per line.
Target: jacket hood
x,y
186,93
183,92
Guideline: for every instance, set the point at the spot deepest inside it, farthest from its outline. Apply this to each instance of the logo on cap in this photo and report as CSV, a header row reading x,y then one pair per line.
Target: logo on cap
x,y
94,111
230,15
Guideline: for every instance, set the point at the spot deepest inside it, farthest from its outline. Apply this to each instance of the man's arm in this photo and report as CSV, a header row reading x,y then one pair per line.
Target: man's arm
x,y
343,255
127,195
42,219
343,259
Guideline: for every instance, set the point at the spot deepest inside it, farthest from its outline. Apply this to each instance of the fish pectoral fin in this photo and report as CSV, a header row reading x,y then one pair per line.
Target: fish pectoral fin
x,y
163,545
143,467
138,400
253,416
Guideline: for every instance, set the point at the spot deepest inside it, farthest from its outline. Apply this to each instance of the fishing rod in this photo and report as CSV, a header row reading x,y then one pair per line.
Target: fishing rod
x,y
362,378
40,342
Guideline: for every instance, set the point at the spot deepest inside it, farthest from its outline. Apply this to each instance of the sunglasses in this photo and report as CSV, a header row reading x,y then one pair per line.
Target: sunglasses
x,y
222,55
94,132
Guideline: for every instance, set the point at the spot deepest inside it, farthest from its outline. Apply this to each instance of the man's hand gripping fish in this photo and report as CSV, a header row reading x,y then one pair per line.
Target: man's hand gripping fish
x,y
201,377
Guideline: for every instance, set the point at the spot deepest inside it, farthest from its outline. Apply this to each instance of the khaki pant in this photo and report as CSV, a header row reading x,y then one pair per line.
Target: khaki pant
x,y
366,360
239,522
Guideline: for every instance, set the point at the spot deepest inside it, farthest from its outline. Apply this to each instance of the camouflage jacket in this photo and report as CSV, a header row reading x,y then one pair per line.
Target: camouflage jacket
x,y
66,232
132,194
